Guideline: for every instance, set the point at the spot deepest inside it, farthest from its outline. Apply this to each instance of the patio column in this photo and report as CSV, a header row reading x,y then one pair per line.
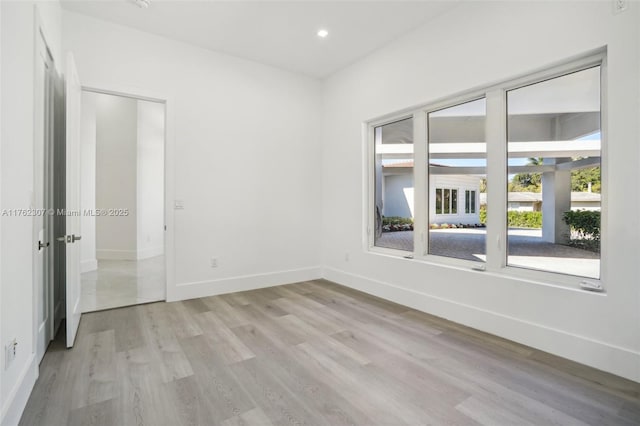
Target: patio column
x,y
556,199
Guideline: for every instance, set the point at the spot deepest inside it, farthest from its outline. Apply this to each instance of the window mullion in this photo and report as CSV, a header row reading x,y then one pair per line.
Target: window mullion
x,y
496,134
421,192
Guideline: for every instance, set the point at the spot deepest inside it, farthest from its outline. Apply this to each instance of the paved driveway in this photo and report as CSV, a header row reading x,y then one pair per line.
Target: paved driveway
x,y
526,249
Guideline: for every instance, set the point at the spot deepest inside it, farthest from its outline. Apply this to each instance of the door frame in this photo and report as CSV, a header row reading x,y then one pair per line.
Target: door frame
x,y
169,189
45,116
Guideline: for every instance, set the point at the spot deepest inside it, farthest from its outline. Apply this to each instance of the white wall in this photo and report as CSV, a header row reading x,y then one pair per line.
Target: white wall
x,y
116,176
150,180
129,145
474,45
16,168
88,259
240,132
395,201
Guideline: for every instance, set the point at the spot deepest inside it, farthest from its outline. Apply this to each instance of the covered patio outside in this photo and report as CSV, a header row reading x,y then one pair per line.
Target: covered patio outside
x,y
553,137
526,247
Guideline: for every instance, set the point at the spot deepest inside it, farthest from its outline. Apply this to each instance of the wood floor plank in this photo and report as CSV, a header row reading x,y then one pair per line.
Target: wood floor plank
x,y
96,370
216,384
280,405
49,400
196,306
98,414
252,417
315,316
183,323
361,390
222,339
188,402
320,398
266,303
127,328
140,391
167,354
487,414
311,353
226,312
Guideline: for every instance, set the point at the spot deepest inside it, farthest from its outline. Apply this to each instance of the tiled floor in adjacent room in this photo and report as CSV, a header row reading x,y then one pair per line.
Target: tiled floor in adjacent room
x,y
119,283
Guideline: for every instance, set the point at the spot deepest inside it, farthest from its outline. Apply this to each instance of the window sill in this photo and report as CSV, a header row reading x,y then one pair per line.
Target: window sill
x,y
528,276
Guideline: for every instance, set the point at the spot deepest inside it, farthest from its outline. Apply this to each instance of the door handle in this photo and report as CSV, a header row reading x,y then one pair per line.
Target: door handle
x,y
69,238
42,245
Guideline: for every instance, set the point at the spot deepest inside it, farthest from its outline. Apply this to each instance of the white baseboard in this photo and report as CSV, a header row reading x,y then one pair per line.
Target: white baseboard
x,y
150,252
19,395
603,356
88,265
193,290
107,254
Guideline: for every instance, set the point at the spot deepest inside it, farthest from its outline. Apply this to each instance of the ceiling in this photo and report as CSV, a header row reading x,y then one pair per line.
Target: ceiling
x,y
281,34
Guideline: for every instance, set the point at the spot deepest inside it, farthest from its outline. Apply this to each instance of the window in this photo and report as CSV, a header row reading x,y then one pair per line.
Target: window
x,y
394,185
447,203
457,157
554,156
540,135
470,202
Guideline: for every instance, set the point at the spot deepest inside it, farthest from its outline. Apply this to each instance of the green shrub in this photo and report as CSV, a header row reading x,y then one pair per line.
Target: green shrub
x,y
483,214
518,219
397,220
585,224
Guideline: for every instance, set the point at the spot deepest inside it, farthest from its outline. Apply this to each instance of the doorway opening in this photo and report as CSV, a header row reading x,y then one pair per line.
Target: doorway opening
x,y
122,175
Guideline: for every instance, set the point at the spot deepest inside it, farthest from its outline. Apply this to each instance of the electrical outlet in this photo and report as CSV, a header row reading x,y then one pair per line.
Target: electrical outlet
x,y
10,353
620,5
214,262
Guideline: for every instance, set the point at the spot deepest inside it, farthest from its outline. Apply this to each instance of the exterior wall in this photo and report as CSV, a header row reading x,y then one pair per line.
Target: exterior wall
x,y
527,206
521,206
585,205
398,195
462,183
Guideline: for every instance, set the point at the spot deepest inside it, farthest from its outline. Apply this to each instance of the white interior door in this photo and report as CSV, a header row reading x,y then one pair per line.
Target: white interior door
x,y
72,203
43,133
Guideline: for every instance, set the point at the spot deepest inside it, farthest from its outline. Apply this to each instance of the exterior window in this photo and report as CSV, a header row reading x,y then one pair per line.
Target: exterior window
x,y
470,202
554,159
447,201
393,209
542,133
457,158
447,204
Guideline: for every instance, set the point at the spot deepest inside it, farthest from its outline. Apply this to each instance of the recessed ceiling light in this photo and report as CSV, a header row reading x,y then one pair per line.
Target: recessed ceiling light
x,y
143,4
323,33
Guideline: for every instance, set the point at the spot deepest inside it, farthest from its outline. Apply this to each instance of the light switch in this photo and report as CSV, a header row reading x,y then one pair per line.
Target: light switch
x,y
179,205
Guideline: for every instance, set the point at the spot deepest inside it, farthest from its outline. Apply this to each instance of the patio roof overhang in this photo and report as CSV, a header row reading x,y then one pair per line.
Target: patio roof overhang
x,y
471,150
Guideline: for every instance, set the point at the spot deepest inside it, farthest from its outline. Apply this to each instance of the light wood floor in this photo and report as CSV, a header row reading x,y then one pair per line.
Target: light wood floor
x,y
313,353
